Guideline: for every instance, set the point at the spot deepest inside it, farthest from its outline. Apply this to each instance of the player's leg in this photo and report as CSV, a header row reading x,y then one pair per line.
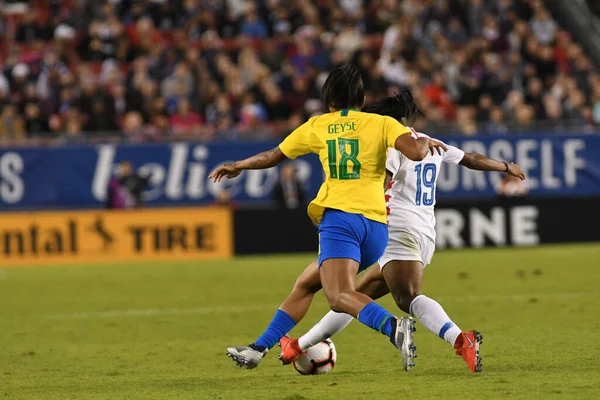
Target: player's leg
x,y
291,311
338,277
298,302
349,241
403,278
403,274
339,274
371,283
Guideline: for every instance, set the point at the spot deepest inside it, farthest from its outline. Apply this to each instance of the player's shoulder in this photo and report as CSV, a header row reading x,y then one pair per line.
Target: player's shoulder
x,y
312,120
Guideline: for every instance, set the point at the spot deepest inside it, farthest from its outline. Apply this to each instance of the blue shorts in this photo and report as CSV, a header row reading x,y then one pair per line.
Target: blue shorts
x,y
345,235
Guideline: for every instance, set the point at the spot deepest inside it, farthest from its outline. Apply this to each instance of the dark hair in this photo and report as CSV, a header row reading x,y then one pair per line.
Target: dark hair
x,y
344,88
401,107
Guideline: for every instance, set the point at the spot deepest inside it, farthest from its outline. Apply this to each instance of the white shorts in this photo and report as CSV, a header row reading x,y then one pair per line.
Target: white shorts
x,y
408,246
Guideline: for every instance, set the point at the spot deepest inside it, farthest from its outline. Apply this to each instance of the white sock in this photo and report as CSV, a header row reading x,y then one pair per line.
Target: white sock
x,y
433,317
328,326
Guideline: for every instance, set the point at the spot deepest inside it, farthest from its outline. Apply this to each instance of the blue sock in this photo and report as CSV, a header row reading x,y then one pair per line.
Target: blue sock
x,y
376,317
281,324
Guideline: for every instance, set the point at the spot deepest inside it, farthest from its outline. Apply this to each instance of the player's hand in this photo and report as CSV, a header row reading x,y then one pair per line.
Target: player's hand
x,y
225,171
435,145
515,170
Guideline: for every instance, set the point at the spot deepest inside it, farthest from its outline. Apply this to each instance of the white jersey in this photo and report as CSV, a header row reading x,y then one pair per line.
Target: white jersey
x,y
411,196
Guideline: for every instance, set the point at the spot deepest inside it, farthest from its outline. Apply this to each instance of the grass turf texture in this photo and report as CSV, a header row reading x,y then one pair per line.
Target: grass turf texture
x,y
159,331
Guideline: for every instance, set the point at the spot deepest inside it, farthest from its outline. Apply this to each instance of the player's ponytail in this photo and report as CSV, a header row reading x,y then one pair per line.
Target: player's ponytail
x,y
401,106
407,102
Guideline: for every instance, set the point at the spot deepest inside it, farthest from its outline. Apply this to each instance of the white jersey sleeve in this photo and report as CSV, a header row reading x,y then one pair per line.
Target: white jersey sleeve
x,y
454,155
393,161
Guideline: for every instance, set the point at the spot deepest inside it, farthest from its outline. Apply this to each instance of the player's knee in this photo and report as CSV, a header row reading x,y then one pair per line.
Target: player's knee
x,y
337,301
306,286
404,297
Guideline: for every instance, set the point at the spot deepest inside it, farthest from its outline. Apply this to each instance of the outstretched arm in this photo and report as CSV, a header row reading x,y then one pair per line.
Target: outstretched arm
x,y
482,163
266,159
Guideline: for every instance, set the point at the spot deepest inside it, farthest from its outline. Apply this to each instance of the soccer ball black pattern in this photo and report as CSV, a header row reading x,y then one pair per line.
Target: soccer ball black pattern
x,y
319,359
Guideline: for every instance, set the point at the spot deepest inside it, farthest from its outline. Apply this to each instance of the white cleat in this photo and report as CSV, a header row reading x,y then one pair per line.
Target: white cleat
x,y
403,339
245,356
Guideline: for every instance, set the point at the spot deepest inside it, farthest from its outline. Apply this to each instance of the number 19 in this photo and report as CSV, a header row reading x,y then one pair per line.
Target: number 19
x,y
428,181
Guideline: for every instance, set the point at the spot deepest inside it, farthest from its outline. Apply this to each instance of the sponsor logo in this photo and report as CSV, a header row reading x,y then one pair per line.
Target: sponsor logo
x,y
184,175
12,187
499,226
471,344
194,233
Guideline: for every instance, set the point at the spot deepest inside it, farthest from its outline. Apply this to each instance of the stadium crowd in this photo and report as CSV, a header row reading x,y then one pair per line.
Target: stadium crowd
x,y
145,70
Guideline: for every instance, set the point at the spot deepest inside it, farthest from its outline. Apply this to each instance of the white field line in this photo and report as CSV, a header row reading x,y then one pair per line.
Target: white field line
x,y
157,311
2,275
236,309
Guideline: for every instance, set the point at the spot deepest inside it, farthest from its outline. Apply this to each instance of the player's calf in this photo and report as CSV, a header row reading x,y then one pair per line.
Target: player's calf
x,y
404,279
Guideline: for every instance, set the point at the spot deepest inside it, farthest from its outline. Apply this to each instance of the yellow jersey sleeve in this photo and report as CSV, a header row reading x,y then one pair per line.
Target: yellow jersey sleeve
x,y
392,130
298,143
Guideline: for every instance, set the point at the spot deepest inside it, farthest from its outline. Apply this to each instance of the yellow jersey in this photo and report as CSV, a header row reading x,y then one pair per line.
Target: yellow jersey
x,y
352,147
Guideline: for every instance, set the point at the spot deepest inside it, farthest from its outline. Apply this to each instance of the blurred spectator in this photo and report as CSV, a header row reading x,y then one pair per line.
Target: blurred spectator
x,y
276,107
496,125
543,27
12,127
534,97
252,26
223,198
35,123
4,87
288,191
525,116
456,32
125,188
133,126
34,26
511,186
55,126
485,108
100,120
348,41
179,83
20,76
185,122
466,122
253,69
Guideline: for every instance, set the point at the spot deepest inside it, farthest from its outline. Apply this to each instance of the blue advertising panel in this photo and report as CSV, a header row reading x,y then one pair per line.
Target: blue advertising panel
x,y
78,176
554,166
75,177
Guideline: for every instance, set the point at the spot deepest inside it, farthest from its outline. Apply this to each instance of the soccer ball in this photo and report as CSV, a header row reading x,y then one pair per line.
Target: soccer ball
x,y
319,359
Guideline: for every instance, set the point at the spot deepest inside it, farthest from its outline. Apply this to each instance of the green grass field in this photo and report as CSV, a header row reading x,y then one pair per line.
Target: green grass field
x,y
159,331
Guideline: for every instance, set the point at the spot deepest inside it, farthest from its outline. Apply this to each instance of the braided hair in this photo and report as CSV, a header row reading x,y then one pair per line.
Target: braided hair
x,y
344,88
401,107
